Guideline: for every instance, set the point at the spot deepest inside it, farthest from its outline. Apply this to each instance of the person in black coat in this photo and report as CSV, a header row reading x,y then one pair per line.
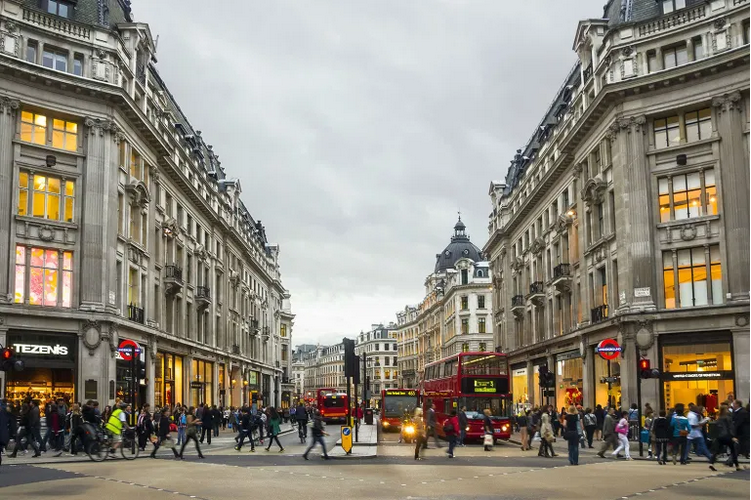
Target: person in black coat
x,y
163,432
6,427
741,424
26,429
207,423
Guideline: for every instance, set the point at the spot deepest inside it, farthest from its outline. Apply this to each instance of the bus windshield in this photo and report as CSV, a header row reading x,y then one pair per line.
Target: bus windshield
x,y
483,364
397,406
499,407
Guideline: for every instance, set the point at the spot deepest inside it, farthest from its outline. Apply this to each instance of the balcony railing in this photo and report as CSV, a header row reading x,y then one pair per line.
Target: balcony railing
x,y
587,73
599,313
57,24
254,324
537,288
203,292
561,271
135,313
517,301
671,21
174,272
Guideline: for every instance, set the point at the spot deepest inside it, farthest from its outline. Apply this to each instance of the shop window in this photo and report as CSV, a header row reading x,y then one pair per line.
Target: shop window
x,y
680,196
46,274
695,286
699,373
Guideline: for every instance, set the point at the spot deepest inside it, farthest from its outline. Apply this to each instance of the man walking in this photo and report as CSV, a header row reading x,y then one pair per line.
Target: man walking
x,y
430,422
318,434
462,425
609,438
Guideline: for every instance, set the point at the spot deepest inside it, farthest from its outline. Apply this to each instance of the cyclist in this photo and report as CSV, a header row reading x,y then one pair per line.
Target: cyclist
x,y
115,424
301,416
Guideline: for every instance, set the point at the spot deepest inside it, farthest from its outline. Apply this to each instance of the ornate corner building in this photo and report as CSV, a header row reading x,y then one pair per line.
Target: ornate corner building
x,y
626,215
455,315
118,224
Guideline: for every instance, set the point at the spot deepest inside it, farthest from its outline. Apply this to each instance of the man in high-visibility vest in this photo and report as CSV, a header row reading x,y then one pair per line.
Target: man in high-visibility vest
x,y
117,421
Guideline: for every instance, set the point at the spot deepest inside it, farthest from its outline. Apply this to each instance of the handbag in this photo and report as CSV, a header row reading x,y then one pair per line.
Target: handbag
x,y
487,440
571,435
644,436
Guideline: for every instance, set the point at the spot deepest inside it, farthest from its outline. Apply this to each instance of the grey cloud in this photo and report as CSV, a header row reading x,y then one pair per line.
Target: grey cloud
x,y
358,129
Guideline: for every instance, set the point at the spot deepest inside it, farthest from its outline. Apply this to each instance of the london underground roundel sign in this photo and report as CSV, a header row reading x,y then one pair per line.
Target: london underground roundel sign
x,y
609,349
127,348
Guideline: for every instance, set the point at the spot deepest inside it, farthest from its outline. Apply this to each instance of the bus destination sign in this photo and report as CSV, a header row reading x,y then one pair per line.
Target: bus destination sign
x,y
396,392
484,386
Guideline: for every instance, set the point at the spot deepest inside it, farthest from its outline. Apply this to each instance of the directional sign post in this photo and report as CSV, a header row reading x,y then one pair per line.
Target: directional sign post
x,y
347,439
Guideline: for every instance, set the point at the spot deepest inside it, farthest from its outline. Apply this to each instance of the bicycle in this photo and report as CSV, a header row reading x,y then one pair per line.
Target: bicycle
x,y
302,430
100,447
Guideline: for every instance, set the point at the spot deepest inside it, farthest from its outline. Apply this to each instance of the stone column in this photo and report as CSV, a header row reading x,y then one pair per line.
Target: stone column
x,y
635,237
4,342
628,365
734,186
588,375
8,108
95,195
552,367
151,370
741,350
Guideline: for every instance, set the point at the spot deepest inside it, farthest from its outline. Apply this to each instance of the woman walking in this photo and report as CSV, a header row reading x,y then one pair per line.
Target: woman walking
x,y
191,431
621,432
275,421
487,424
725,438
523,422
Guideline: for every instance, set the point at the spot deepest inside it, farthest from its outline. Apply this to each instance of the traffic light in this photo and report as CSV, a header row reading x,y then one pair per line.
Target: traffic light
x,y
9,361
646,371
547,378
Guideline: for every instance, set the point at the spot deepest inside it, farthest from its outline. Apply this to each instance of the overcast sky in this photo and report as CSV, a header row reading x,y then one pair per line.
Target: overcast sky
x,y
359,128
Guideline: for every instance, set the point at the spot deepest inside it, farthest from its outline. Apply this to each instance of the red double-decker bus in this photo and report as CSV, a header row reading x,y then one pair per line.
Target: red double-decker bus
x,y
475,380
395,405
332,404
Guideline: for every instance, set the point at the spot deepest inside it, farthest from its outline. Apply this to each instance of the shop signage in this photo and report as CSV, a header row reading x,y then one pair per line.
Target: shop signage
x,y
126,349
642,292
688,376
568,355
46,350
608,349
196,385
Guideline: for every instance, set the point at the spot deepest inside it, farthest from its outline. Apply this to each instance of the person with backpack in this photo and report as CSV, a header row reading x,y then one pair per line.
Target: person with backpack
x,y
451,430
660,433
621,431
590,425
301,415
681,429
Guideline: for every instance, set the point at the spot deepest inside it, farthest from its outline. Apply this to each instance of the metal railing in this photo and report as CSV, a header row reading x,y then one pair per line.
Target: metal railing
x,y
517,301
561,270
599,313
536,288
173,272
136,314
203,292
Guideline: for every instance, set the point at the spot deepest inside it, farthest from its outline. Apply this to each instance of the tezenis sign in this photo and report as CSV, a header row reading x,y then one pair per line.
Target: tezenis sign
x,y
48,350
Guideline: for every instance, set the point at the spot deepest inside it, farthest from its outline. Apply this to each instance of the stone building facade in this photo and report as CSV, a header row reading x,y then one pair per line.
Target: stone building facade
x,y
626,215
119,225
381,362
455,315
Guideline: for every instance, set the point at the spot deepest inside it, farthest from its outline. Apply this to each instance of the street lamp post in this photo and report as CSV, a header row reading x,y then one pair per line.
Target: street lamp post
x,y
368,392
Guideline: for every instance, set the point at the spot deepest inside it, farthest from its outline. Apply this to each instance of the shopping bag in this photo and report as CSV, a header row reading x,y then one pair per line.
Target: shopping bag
x,y
488,440
644,436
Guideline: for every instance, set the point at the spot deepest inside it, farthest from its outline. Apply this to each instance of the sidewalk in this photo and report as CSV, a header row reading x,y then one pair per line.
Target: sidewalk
x,y
561,446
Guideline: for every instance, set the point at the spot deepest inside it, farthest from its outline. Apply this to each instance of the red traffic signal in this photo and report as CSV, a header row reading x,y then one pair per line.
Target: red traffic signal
x,y
644,364
6,354
646,371
9,361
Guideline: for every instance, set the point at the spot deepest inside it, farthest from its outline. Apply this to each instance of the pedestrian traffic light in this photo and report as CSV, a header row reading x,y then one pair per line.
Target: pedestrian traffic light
x,y
646,371
9,361
547,378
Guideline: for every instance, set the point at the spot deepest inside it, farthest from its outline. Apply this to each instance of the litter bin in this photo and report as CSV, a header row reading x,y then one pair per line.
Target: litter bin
x,y
368,416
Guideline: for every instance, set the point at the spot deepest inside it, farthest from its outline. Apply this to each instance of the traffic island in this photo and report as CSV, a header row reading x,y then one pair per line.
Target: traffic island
x,y
366,445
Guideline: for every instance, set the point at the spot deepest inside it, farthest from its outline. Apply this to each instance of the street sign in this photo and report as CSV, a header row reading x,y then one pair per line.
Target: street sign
x,y
347,439
608,349
127,348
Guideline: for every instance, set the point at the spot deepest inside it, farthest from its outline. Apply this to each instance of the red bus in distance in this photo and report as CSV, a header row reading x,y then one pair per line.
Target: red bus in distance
x,y
395,405
475,380
332,404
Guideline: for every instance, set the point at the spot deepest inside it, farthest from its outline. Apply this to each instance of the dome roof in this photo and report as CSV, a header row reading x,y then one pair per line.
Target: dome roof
x,y
459,248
